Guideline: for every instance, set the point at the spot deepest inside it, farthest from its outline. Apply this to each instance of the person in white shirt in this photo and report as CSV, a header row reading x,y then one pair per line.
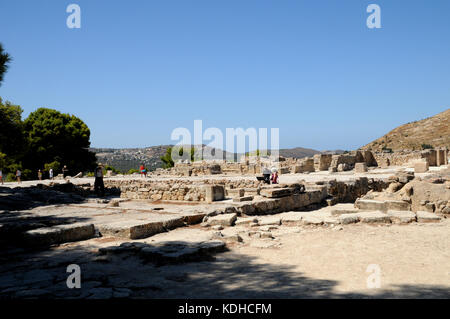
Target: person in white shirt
x,y
50,173
18,175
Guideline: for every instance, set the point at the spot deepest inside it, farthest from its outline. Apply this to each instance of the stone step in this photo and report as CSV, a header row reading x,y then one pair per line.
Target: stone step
x,y
59,234
426,217
222,220
276,192
137,229
168,252
382,205
401,217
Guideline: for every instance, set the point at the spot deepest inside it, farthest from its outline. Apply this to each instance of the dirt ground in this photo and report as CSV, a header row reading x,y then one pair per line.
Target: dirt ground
x,y
301,262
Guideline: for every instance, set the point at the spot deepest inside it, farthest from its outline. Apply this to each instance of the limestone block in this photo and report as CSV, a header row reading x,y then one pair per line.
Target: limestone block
x,y
421,167
401,217
426,217
374,217
276,192
223,220
360,167
214,193
370,205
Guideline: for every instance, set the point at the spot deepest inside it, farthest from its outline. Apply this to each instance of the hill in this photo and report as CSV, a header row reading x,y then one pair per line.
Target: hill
x,y
125,159
430,132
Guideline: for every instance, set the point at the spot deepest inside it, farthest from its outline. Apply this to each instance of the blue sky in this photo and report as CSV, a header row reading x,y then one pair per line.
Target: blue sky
x,y
138,69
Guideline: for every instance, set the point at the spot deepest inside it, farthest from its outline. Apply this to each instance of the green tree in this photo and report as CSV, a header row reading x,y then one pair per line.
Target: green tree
x,y
5,58
54,136
167,158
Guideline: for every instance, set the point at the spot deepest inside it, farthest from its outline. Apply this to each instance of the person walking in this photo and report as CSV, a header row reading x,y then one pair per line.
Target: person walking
x,y
50,173
143,170
99,186
40,175
1,176
18,175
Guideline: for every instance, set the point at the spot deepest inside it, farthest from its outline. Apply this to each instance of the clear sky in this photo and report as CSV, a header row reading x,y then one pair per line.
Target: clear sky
x,y
138,69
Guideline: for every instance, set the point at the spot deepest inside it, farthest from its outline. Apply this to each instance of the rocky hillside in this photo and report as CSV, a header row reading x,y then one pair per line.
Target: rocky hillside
x,y
125,159
430,132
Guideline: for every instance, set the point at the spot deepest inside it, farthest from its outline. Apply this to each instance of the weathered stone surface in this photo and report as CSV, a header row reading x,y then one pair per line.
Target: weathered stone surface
x,y
243,199
340,211
59,234
401,217
223,220
214,193
235,192
276,192
348,218
360,167
374,217
270,221
312,220
246,221
397,205
371,205
426,217
421,167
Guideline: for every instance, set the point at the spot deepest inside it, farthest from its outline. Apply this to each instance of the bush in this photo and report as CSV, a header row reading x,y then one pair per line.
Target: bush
x,y
427,146
132,171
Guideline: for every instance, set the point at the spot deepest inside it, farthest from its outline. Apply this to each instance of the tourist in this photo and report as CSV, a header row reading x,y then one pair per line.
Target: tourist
x,y
50,173
266,174
274,178
18,175
40,175
65,171
143,170
1,176
99,187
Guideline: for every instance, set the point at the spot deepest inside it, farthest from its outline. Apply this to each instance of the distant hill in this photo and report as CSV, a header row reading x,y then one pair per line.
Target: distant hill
x,y
125,159
430,132
298,152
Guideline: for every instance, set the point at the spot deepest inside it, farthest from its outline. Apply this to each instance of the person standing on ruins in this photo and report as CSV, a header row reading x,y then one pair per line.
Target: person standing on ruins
x,y
18,175
40,175
50,173
99,186
65,171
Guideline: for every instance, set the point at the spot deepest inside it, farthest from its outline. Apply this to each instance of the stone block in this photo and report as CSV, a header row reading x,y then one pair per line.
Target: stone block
x,y
373,217
59,234
397,205
421,167
243,199
401,217
223,220
360,167
214,193
371,205
426,217
276,192
348,218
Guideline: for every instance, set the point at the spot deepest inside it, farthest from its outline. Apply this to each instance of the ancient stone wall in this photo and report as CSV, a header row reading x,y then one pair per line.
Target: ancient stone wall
x,y
179,190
